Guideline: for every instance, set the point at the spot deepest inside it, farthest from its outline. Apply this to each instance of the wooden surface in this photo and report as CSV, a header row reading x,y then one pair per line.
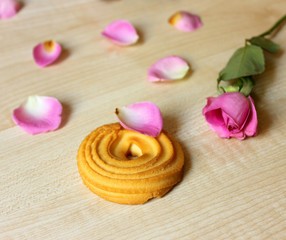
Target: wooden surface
x,y
231,189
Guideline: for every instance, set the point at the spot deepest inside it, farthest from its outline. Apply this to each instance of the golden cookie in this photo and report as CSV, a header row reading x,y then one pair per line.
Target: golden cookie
x,y
127,167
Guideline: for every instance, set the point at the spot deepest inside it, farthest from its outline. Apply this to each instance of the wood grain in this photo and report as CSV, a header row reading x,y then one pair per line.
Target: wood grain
x,y
231,189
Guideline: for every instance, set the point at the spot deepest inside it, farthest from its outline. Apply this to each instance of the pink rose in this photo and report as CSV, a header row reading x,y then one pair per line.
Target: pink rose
x,y
231,115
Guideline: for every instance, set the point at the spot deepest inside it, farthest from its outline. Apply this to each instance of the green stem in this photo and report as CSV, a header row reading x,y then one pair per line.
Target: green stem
x,y
279,22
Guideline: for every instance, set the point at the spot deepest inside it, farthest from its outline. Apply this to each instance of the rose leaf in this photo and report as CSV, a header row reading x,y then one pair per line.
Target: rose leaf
x,y
246,61
265,43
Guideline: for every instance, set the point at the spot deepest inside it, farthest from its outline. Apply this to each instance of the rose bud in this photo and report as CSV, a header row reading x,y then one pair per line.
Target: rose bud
x,y
231,115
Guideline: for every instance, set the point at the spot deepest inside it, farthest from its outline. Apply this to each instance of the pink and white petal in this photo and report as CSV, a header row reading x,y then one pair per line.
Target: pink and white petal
x,y
46,53
168,69
121,32
185,21
38,114
142,117
9,8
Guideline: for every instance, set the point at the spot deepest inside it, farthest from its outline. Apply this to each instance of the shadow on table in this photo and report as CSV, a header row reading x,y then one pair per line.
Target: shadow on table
x,y
64,55
263,84
171,125
67,110
141,39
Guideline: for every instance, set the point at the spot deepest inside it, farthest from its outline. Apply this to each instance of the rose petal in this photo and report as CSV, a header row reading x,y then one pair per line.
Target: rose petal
x,y
251,125
121,33
9,8
221,131
46,53
168,69
239,135
209,102
38,114
216,121
142,117
234,104
185,21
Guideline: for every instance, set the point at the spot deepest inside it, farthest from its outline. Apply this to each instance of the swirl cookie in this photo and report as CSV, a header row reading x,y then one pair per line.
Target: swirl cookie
x,y
127,167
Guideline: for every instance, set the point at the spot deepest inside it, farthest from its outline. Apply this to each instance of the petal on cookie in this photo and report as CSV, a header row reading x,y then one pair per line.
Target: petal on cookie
x,y
142,117
46,53
38,114
121,33
9,8
168,69
185,21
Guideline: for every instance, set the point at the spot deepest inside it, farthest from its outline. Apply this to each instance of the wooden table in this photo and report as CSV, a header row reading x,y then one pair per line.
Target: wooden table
x,y
231,189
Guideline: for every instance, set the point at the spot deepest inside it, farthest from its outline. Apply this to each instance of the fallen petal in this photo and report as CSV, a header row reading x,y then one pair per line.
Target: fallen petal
x,y
38,114
142,117
168,69
46,53
9,8
121,33
185,21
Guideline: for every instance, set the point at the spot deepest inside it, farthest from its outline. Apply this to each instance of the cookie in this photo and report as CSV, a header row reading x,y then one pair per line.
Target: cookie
x,y
127,167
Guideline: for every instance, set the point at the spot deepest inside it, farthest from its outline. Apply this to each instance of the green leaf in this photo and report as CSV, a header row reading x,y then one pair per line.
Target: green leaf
x,y
265,43
246,61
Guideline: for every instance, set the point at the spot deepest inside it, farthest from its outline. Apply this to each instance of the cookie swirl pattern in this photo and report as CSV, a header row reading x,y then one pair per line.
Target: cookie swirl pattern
x,y
127,167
